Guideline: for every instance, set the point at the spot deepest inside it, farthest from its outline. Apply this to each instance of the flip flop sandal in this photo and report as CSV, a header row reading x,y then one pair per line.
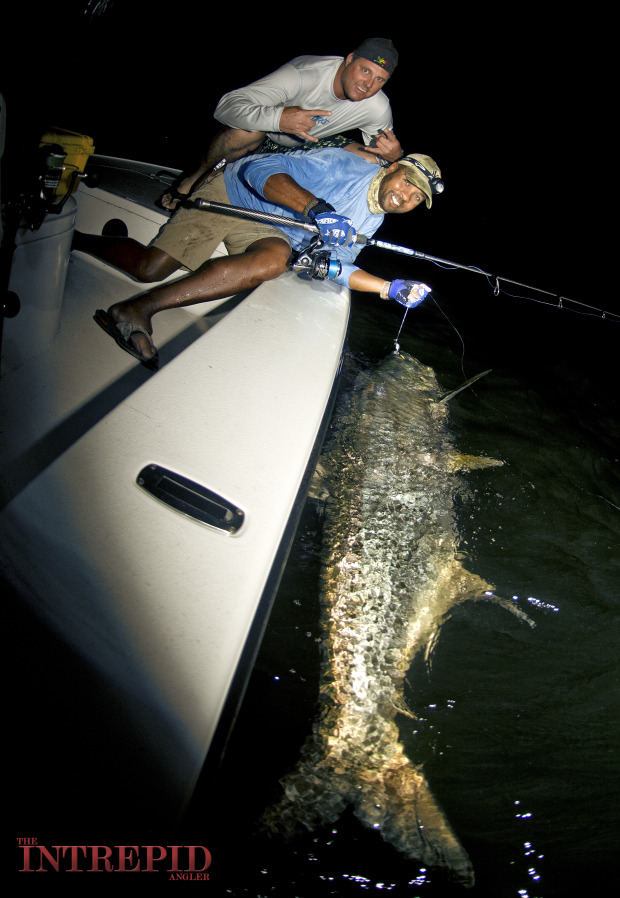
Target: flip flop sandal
x,y
121,333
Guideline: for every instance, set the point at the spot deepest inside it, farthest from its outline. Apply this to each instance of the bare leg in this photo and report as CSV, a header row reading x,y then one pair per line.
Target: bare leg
x,y
263,260
229,144
144,263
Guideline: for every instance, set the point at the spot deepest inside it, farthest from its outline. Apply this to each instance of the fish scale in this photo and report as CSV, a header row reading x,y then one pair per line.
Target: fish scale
x,y
390,575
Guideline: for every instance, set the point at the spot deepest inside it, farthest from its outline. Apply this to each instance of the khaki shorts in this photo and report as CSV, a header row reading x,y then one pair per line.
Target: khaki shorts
x,y
191,236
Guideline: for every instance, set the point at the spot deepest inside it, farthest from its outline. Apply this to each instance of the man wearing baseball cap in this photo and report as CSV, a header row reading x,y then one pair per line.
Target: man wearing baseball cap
x,y
340,193
424,173
307,103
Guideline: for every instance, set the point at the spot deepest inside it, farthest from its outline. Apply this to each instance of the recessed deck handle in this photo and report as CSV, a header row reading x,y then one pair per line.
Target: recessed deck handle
x,y
190,498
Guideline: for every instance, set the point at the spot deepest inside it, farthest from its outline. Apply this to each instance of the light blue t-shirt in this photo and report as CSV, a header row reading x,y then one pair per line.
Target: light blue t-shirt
x,y
337,176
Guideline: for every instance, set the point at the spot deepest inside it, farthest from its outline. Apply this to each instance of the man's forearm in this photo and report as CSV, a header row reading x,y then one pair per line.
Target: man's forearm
x,y
364,282
283,190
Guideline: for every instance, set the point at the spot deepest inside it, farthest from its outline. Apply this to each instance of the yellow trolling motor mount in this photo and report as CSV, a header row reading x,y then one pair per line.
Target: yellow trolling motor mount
x,y
51,176
64,157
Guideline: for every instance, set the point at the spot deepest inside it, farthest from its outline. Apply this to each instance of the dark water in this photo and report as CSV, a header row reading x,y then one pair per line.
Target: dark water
x,y
518,726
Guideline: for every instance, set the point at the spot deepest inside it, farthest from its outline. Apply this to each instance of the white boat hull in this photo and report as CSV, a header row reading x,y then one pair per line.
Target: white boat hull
x,y
165,609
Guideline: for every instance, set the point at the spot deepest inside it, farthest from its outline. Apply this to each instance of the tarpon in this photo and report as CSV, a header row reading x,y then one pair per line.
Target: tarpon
x,y
390,576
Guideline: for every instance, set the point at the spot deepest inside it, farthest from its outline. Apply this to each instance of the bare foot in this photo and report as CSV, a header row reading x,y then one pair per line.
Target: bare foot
x,y
130,313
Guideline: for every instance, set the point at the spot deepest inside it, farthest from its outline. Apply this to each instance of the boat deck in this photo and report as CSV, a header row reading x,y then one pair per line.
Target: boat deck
x,y
47,403
166,611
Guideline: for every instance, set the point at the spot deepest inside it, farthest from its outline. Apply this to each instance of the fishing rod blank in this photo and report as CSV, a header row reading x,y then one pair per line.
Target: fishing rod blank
x,y
270,217
273,218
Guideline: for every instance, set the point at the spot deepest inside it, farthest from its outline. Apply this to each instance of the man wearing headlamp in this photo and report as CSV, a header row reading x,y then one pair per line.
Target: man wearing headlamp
x,y
338,191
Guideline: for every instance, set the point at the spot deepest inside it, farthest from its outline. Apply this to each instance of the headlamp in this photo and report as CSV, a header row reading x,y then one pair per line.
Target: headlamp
x,y
437,185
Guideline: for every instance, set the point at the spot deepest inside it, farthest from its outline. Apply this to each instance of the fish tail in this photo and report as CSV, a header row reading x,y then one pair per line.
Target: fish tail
x,y
313,795
394,800
401,806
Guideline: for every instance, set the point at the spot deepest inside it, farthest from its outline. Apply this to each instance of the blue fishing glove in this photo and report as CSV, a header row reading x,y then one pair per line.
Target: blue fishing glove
x,y
336,230
408,293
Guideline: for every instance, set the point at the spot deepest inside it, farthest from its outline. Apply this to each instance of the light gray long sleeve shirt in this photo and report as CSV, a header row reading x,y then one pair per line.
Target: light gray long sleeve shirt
x,y
308,82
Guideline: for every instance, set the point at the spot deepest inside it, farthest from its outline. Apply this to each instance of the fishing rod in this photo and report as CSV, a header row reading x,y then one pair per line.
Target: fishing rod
x,y
320,269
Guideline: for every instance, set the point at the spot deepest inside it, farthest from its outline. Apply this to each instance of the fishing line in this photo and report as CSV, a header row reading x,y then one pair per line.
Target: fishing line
x,y
497,289
396,343
494,280
456,331
593,495
453,326
459,335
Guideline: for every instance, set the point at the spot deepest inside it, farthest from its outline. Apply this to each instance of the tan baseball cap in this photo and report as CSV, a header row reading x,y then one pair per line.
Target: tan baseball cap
x,y
424,173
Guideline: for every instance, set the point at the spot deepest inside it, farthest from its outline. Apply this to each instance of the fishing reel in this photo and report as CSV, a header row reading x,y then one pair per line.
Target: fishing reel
x,y
312,262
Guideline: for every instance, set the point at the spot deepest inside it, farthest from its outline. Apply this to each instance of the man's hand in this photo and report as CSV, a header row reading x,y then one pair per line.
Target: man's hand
x,y
336,230
171,199
408,293
298,121
386,145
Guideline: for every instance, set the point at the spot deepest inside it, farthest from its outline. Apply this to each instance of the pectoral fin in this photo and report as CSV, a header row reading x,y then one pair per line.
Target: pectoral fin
x,y
461,462
447,396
